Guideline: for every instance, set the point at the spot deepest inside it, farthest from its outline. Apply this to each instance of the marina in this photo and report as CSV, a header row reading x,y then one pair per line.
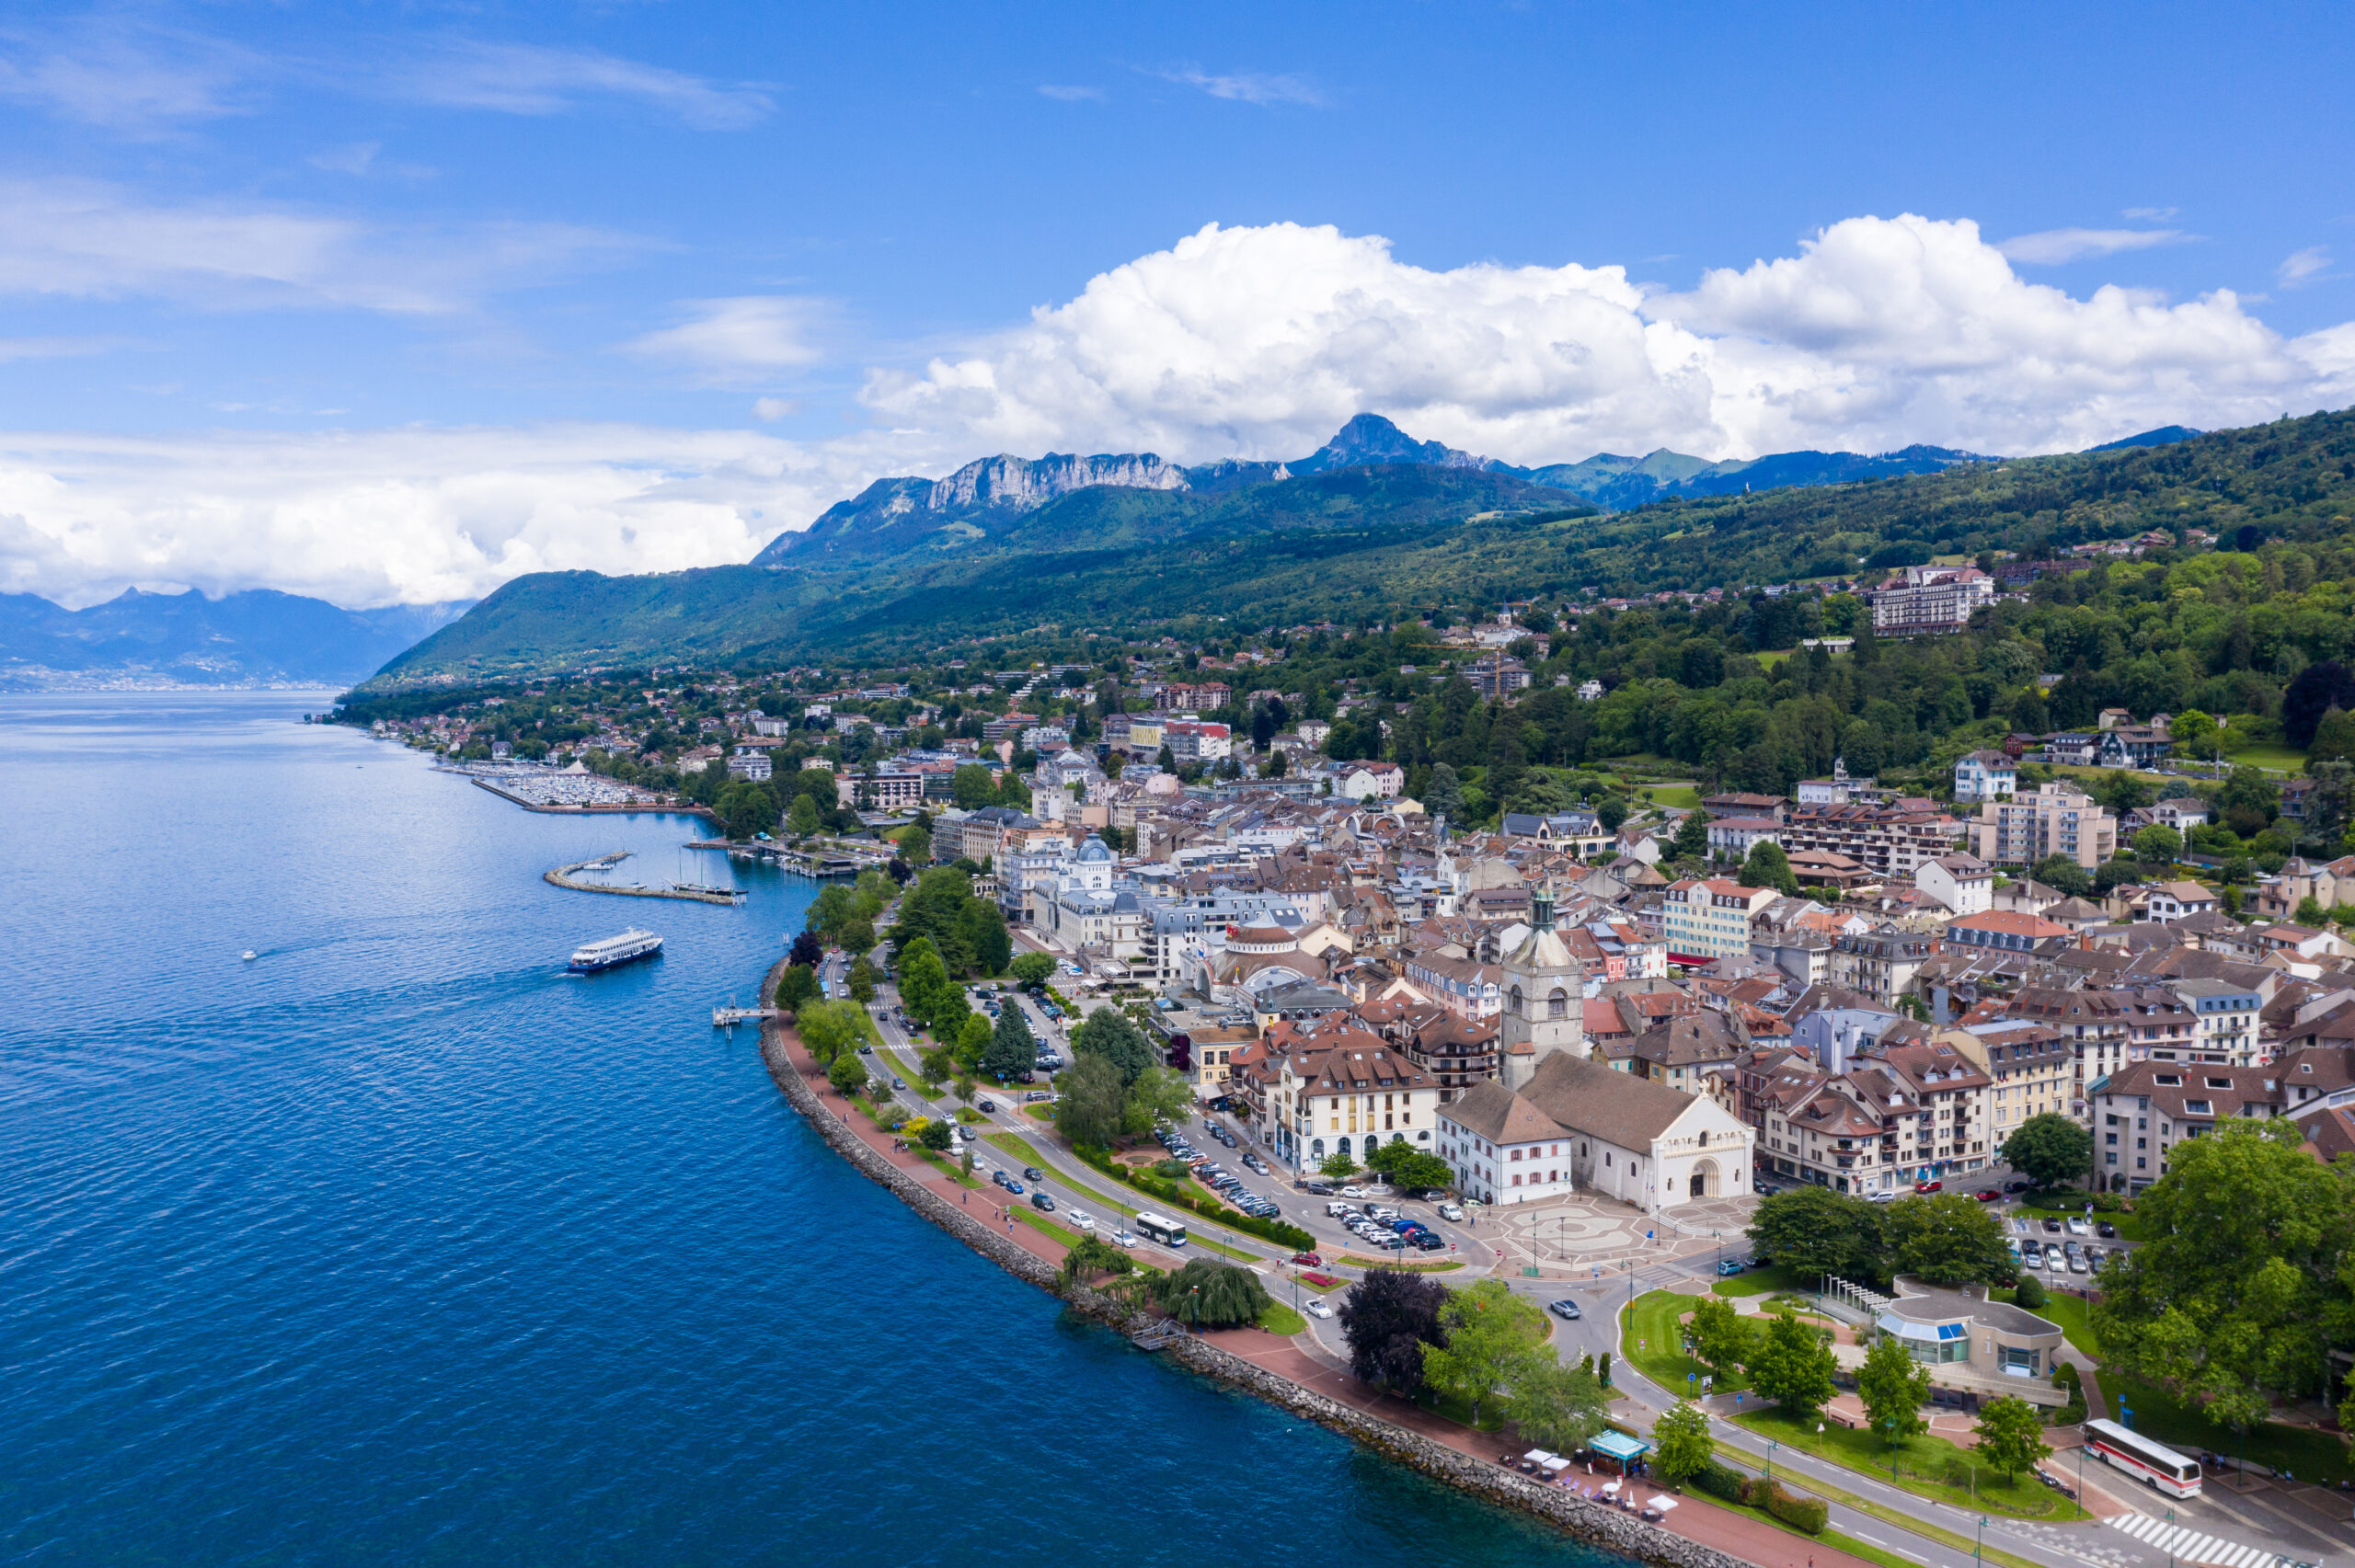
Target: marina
x,y
569,876
821,864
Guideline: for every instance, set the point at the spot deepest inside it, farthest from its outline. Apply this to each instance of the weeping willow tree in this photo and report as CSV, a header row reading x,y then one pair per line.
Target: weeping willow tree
x,y
1205,1294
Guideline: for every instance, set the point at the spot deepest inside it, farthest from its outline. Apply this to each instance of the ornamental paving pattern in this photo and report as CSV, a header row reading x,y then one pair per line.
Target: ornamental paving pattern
x,y
1578,1234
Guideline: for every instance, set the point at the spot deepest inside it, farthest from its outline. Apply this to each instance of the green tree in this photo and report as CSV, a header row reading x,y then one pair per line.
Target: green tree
x,y
2063,872
972,1041
1682,1446
828,1029
983,926
972,788
2052,1149
1409,1167
1556,1406
1947,1239
1013,1049
916,843
1033,968
849,1073
2121,791
1340,1167
1793,1366
2196,735
1769,867
862,981
1892,1386
2310,911
1692,837
937,1066
2028,1293
1611,813
1813,1230
2245,1286
925,987
1091,1257
935,1135
1107,1033
1487,1330
796,987
801,820
1209,1294
1722,1336
1159,1095
2011,1435
2158,844
1088,1112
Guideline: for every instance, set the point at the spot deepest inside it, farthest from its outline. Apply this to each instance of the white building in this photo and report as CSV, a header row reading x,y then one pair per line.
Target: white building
x,y
1929,600
1964,884
1582,1125
750,763
1370,780
1731,838
1985,775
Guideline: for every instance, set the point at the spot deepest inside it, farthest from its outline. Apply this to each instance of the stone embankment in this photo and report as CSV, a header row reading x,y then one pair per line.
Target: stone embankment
x,y
562,877
1605,1527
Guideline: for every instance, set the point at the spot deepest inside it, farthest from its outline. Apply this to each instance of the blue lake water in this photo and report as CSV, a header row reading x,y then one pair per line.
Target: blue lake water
x,y
400,1245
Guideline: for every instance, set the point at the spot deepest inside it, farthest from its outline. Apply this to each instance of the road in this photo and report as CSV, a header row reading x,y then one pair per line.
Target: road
x,y
2272,1522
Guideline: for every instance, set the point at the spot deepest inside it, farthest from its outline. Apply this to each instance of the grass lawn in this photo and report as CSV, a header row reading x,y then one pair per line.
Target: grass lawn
x,y
1456,1408
2131,1226
1652,1339
1038,1222
2281,757
1830,1538
1676,794
1359,1260
946,1167
2306,1454
2073,1314
1760,1281
1281,1319
2023,1497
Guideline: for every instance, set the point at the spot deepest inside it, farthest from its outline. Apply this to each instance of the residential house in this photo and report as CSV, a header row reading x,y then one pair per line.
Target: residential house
x,y
1985,775
1963,882
2001,928
2144,1111
2225,1018
1733,838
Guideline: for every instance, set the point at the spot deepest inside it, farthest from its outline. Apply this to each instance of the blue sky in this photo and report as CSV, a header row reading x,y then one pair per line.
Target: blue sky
x,y
390,302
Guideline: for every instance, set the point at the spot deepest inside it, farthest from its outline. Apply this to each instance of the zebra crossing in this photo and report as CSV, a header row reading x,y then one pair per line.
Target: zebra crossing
x,y
2191,1546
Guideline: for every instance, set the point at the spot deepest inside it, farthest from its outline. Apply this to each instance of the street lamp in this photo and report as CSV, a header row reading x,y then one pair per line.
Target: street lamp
x,y
1979,1553
1770,1447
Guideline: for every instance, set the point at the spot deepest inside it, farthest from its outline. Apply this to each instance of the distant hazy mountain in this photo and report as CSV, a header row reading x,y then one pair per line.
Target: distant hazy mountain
x,y
979,501
2166,435
258,637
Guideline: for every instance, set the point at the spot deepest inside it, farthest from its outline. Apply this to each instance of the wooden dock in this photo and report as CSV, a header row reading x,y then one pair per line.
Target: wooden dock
x,y
825,866
727,1017
563,877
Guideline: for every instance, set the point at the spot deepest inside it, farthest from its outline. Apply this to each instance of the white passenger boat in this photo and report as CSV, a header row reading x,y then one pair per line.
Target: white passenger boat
x,y
629,946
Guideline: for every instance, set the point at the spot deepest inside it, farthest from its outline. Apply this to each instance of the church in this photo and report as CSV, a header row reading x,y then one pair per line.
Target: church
x,y
1558,1121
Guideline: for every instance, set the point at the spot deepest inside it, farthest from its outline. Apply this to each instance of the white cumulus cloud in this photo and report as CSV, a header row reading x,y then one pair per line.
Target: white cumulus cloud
x,y
1253,342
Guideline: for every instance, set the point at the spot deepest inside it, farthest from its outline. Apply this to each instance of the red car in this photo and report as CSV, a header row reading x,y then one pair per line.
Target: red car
x,y
1929,1187
1990,1196
1308,1260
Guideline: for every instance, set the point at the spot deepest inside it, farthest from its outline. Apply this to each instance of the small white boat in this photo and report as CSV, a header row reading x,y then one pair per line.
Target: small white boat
x,y
249,956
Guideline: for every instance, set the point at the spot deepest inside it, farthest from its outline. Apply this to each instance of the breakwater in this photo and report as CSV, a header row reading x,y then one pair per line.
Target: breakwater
x,y
1603,1527
563,877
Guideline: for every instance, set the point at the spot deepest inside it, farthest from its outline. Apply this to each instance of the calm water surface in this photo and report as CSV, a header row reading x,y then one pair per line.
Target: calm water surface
x,y
399,1245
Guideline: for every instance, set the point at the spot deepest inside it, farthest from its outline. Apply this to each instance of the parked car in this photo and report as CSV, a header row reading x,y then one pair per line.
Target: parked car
x,y
1883,1196
1988,1194
1308,1260
2052,1227
1080,1218
2104,1228
1731,1266
2080,1226
1929,1187
1428,1242
1353,1192
998,1176
1565,1309
1317,1307
1041,1200
1451,1212
1014,1186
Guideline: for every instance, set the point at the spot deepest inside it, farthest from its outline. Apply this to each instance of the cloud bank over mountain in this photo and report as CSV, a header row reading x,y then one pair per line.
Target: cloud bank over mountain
x,y
1236,342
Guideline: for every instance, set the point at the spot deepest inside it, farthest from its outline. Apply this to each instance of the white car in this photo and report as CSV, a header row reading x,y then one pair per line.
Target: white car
x,y
1449,1211
1122,1239
1353,1192
1880,1197
1316,1309
2079,1226
1080,1218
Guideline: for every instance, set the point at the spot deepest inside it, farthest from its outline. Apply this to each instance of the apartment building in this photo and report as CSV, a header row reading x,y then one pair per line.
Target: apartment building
x,y
2141,1114
2224,1022
1910,1113
1891,840
1881,962
1706,918
1338,1087
2108,1030
1930,601
2032,1071
2053,819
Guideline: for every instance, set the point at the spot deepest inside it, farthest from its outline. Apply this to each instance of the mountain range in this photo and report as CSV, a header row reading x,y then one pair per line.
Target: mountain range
x,y
1374,524
259,638
979,501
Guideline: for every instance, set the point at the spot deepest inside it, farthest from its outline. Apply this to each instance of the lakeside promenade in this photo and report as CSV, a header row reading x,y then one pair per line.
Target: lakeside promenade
x,y
1696,1533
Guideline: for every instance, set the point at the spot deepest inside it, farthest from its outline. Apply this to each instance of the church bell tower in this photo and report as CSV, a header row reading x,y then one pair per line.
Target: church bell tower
x,y
1544,997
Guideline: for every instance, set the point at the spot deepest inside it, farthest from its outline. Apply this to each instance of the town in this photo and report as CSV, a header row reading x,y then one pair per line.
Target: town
x,y
1658,938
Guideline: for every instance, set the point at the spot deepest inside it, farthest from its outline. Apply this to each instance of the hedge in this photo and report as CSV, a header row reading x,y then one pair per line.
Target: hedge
x,y
1276,1231
1720,1480
1809,1514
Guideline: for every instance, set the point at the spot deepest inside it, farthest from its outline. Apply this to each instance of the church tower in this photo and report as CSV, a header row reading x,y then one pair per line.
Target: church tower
x,y
1545,995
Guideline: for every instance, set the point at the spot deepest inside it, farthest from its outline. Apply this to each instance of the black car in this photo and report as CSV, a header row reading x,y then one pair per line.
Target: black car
x,y
1041,1200
1565,1308
2104,1228
1428,1242
1035,1174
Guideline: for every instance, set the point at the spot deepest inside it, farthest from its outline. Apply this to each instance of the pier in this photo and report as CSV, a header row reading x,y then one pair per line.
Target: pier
x,y
823,865
563,877
728,1017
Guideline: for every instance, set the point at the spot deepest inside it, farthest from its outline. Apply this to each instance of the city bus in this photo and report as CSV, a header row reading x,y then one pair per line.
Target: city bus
x,y
2137,1454
1168,1233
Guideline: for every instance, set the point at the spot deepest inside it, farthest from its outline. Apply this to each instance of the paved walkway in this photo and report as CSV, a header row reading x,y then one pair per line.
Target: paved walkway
x,y
1574,1236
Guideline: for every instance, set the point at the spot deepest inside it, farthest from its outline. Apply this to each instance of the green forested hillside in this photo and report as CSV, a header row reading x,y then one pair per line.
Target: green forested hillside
x,y
1369,543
